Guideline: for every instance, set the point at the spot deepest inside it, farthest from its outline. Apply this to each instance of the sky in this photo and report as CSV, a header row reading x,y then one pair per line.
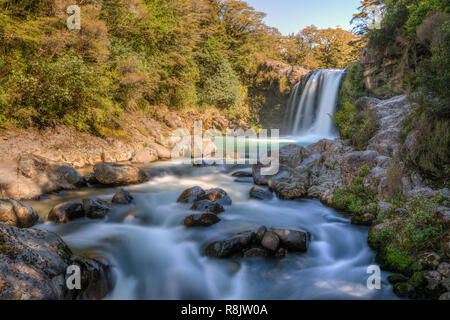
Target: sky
x,y
290,16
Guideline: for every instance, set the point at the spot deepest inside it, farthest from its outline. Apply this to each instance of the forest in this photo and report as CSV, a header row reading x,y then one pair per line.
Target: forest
x,y
140,54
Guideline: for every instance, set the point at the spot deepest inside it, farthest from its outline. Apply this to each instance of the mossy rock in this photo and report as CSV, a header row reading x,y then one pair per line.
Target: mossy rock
x,y
404,290
397,278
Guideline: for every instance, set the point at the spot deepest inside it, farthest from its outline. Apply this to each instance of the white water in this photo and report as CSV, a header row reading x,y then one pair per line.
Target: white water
x,y
155,257
310,114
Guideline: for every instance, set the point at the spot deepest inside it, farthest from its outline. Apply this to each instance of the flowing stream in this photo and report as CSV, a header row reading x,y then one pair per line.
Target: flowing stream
x,y
155,257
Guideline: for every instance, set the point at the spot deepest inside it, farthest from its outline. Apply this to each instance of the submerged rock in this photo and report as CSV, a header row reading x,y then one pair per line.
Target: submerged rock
x,y
122,196
256,253
201,220
118,174
260,193
66,212
17,214
33,265
207,206
242,174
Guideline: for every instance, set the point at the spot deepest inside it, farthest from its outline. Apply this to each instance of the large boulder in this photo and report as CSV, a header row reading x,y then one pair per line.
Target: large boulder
x,y
201,220
229,246
109,173
191,195
34,264
66,212
14,213
32,176
293,240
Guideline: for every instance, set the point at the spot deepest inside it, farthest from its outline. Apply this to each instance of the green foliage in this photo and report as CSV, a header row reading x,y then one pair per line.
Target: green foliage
x,y
409,229
357,123
355,198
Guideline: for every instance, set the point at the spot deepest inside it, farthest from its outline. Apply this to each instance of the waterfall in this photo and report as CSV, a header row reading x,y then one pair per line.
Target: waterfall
x,y
311,112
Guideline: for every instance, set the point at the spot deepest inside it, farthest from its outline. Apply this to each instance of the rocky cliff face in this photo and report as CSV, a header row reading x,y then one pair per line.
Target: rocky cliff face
x,y
382,71
317,170
270,91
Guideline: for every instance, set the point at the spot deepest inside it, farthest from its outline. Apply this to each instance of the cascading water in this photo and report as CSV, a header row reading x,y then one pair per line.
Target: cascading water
x,y
311,112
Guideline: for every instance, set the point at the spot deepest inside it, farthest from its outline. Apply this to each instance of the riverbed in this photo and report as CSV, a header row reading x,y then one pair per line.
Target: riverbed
x,y
155,257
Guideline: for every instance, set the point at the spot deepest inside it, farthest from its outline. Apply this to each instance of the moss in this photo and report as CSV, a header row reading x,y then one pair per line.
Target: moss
x,y
417,280
397,278
401,261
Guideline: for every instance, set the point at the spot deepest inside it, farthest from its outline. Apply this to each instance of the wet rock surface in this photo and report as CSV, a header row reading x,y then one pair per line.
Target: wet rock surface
x,y
122,196
262,244
201,220
34,263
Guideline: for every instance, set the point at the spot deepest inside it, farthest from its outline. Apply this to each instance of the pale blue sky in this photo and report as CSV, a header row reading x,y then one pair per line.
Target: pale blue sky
x,y
293,15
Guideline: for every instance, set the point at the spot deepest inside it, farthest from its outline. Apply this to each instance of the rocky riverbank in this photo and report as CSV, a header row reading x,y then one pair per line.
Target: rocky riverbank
x,y
376,186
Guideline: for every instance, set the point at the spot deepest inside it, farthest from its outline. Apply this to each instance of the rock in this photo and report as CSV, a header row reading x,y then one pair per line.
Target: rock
x,y
229,246
270,241
94,210
365,219
353,161
216,195
256,253
258,178
260,194
242,174
163,152
33,265
207,206
396,278
404,290
444,269
201,220
444,215
260,234
122,196
17,214
118,174
66,212
191,195
146,155
433,283
89,178
33,176
292,239
288,185
281,253
429,260
445,296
